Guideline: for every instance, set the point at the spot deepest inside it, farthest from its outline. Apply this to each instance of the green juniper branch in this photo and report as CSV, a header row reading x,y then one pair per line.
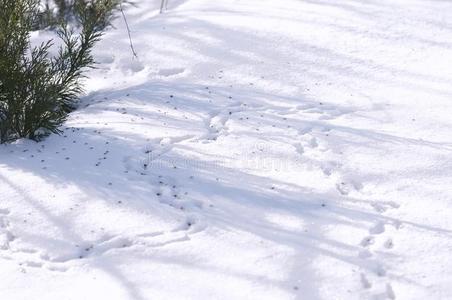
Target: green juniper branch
x,y
37,91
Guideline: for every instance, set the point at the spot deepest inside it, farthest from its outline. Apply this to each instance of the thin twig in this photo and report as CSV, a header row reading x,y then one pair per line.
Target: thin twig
x,y
163,6
128,31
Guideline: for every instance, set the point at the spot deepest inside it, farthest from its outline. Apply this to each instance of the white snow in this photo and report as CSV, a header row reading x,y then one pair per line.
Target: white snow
x,y
257,149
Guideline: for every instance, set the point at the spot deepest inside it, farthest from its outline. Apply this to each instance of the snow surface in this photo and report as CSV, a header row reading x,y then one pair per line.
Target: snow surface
x,y
257,149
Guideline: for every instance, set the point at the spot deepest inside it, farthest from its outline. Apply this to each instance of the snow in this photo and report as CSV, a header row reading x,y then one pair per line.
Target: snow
x,y
258,149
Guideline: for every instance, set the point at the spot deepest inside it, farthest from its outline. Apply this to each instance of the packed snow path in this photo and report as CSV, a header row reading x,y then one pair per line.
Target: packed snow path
x,y
257,149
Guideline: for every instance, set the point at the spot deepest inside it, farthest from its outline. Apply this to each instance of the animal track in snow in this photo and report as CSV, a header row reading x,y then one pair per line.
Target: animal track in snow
x,y
365,282
216,126
383,206
377,228
25,257
216,121
379,279
91,249
320,111
155,149
325,111
389,244
299,148
328,167
343,188
380,270
313,143
168,191
390,292
368,240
